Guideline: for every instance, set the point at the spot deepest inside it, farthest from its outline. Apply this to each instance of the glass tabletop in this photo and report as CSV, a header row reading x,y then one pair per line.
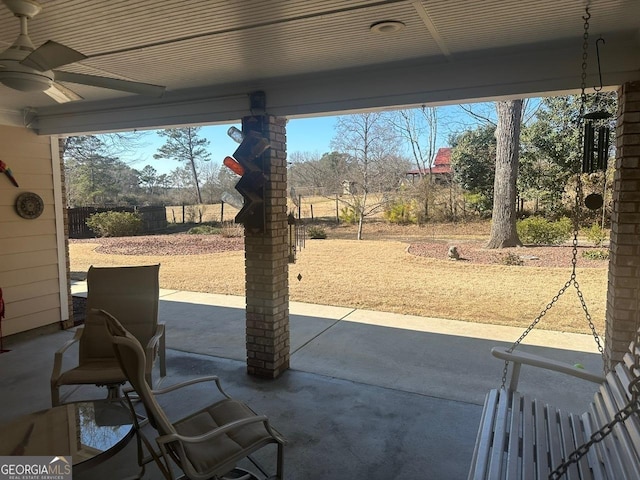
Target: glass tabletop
x,y
87,431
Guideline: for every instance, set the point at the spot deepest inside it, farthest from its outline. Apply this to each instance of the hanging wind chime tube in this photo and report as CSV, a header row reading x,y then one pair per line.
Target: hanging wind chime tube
x,y
291,221
595,148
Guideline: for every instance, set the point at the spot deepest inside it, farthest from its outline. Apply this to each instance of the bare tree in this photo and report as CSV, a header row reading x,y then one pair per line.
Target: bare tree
x,y
313,172
503,219
373,166
419,128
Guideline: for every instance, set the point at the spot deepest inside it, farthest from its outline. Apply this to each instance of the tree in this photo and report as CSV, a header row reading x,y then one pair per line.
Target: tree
x,y
419,128
551,152
94,172
184,145
372,163
149,178
503,218
181,180
320,174
473,163
100,180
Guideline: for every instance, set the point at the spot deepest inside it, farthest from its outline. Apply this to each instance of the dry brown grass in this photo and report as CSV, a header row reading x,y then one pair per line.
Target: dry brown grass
x,y
381,275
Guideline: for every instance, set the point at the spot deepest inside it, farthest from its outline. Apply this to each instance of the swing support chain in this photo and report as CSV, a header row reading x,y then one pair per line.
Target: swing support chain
x,y
633,406
576,224
572,281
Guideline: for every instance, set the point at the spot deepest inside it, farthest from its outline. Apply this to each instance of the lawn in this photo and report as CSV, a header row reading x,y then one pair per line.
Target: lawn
x,y
379,273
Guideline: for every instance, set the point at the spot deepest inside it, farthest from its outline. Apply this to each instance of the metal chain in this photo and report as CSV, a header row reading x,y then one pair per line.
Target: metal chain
x,y
633,407
585,54
574,261
576,223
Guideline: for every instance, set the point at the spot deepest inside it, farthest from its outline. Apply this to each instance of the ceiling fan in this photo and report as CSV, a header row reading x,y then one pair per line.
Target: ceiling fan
x,y
25,68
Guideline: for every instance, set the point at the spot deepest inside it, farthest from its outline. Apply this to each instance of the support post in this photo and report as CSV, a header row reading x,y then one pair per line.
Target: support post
x,y
266,260
624,259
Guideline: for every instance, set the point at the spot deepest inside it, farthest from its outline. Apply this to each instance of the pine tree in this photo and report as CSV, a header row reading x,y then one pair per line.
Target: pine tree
x,y
184,145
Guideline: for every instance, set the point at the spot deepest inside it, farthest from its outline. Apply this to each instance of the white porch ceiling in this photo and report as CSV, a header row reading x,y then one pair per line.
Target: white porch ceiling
x,y
313,57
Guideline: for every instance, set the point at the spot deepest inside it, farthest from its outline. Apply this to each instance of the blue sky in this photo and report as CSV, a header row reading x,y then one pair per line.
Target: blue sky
x,y
304,135
312,135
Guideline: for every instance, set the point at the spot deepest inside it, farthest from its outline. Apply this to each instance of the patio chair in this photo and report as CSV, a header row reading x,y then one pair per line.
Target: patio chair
x,y
206,444
131,293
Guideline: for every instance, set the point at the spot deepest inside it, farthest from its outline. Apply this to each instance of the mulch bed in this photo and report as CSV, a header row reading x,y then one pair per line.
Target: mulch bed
x,y
471,251
532,256
175,244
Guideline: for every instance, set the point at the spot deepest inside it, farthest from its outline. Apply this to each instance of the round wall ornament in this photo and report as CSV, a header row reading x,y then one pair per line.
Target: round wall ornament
x,y
29,205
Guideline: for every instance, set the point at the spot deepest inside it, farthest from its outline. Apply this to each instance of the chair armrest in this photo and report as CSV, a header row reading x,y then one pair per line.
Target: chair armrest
x,y
57,359
177,386
172,437
523,358
155,339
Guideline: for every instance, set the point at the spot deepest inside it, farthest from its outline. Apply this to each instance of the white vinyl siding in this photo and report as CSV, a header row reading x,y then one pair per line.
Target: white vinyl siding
x,y
29,251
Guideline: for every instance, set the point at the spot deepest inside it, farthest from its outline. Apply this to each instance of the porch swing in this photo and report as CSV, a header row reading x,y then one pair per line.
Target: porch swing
x,y
521,437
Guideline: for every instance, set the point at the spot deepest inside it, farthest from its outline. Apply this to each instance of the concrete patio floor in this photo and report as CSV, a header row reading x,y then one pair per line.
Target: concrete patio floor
x,y
369,395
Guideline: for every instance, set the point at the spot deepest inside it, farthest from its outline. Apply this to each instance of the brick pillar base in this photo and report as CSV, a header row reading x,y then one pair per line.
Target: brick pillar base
x,y
266,266
624,261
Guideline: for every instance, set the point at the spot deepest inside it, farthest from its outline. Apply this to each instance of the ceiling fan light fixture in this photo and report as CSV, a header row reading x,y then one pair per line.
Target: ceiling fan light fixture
x,y
23,8
25,82
386,27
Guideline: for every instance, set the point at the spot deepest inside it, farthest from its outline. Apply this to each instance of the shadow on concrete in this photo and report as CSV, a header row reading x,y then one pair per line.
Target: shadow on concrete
x,y
368,395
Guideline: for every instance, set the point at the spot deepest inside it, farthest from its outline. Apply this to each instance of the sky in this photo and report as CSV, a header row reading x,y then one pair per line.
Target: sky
x,y
308,135
304,135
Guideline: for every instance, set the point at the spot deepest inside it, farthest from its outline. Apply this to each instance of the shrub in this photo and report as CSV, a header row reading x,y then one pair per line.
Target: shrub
x,y
115,224
316,232
596,254
232,230
511,259
204,230
401,212
596,234
479,203
194,213
348,215
539,231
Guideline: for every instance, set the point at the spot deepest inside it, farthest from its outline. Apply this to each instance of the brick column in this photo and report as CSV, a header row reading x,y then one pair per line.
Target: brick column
x,y
624,261
266,255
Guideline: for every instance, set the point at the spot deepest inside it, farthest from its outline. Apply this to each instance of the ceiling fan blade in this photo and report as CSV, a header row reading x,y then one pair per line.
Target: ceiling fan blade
x,y
111,83
62,94
51,55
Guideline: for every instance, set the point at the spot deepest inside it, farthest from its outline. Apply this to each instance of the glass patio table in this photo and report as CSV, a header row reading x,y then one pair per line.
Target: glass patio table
x,y
90,432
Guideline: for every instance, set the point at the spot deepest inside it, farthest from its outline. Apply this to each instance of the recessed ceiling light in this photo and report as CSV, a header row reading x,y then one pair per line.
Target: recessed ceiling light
x,y
387,26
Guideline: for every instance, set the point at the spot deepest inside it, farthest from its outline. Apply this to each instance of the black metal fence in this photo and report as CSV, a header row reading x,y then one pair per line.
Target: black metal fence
x,y
153,219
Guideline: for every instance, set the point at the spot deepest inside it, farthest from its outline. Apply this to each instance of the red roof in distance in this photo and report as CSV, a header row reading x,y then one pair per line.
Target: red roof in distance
x,y
441,164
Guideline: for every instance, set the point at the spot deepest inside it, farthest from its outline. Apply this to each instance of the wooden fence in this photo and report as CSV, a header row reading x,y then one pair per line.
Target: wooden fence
x,y
153,219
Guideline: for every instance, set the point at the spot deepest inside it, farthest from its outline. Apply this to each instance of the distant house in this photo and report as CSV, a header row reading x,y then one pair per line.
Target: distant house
x,y
440,170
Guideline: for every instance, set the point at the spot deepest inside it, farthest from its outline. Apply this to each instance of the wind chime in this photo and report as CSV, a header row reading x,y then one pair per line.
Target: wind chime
x,y
297,236
596,132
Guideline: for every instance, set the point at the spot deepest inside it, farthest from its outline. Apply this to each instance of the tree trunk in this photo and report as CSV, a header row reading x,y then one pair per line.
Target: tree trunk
x,y
360,212
195,178
503,219
360,222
